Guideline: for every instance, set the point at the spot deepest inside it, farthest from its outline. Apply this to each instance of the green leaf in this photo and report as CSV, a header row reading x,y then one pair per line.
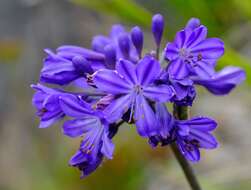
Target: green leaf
x,y
126,10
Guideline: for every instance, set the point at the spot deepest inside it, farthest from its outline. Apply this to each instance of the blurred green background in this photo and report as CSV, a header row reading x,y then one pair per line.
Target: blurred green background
x,y
36,159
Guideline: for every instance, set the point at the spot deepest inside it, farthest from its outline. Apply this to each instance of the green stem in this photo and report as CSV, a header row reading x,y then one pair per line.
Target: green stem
x,y
181,113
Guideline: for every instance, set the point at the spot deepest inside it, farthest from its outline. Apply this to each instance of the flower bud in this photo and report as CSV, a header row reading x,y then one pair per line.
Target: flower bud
x,y
137,39
110,55
82,65
124,44
116,30
99,42
157,28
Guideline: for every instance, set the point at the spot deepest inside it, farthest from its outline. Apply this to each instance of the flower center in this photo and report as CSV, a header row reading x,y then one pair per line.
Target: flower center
x,y
138,89
185,54
188,57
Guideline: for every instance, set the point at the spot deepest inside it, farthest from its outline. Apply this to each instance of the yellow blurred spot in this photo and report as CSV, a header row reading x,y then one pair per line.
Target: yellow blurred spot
x,y
10,50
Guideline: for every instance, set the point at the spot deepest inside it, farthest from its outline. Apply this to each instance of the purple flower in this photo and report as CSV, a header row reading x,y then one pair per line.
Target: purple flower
x,y
85,165
184,89
222,82
133,86
118,84
46,101
187,98
194,134
137,37
117,45
70,63
192,53
165,125
95,128
158,28
190,135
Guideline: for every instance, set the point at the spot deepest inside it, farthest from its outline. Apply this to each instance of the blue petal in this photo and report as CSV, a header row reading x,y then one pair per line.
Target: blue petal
x,y
107,147
178,69
164,119
77,127
70,51
199,123
117,108
204,139
192,155
211,48
111,82
171,51
160,93
48,123
144,118
224,81
148,69
193,23
74,107
198,35
128,70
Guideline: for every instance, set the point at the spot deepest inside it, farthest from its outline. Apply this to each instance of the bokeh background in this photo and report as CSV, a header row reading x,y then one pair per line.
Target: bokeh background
x,y
36,159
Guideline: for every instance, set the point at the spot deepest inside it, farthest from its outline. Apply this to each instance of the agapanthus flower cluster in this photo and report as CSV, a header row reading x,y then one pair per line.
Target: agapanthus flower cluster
x,y
119,84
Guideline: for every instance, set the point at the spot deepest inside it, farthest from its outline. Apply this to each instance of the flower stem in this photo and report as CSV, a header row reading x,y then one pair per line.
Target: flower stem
x,y
181,113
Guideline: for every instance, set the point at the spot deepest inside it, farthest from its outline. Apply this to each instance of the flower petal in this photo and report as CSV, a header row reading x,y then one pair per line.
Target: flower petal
x,y
171,51
80,160
77,158
204,139
160,93
70,51
57,70
117,108
224,81
181,38
193,23
164,119
74,107
111,82
48,123
147,70
128,70
145,118
77,127
199,123
178,69
203,70
211,48
198,35
192,155
107,147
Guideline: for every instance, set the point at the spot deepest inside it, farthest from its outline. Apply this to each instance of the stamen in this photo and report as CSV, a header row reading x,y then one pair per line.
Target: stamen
x,y
195,142
41,112
138,89
199,57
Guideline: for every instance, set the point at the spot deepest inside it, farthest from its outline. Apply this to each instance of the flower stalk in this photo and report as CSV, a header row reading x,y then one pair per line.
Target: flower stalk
x,y
181,113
